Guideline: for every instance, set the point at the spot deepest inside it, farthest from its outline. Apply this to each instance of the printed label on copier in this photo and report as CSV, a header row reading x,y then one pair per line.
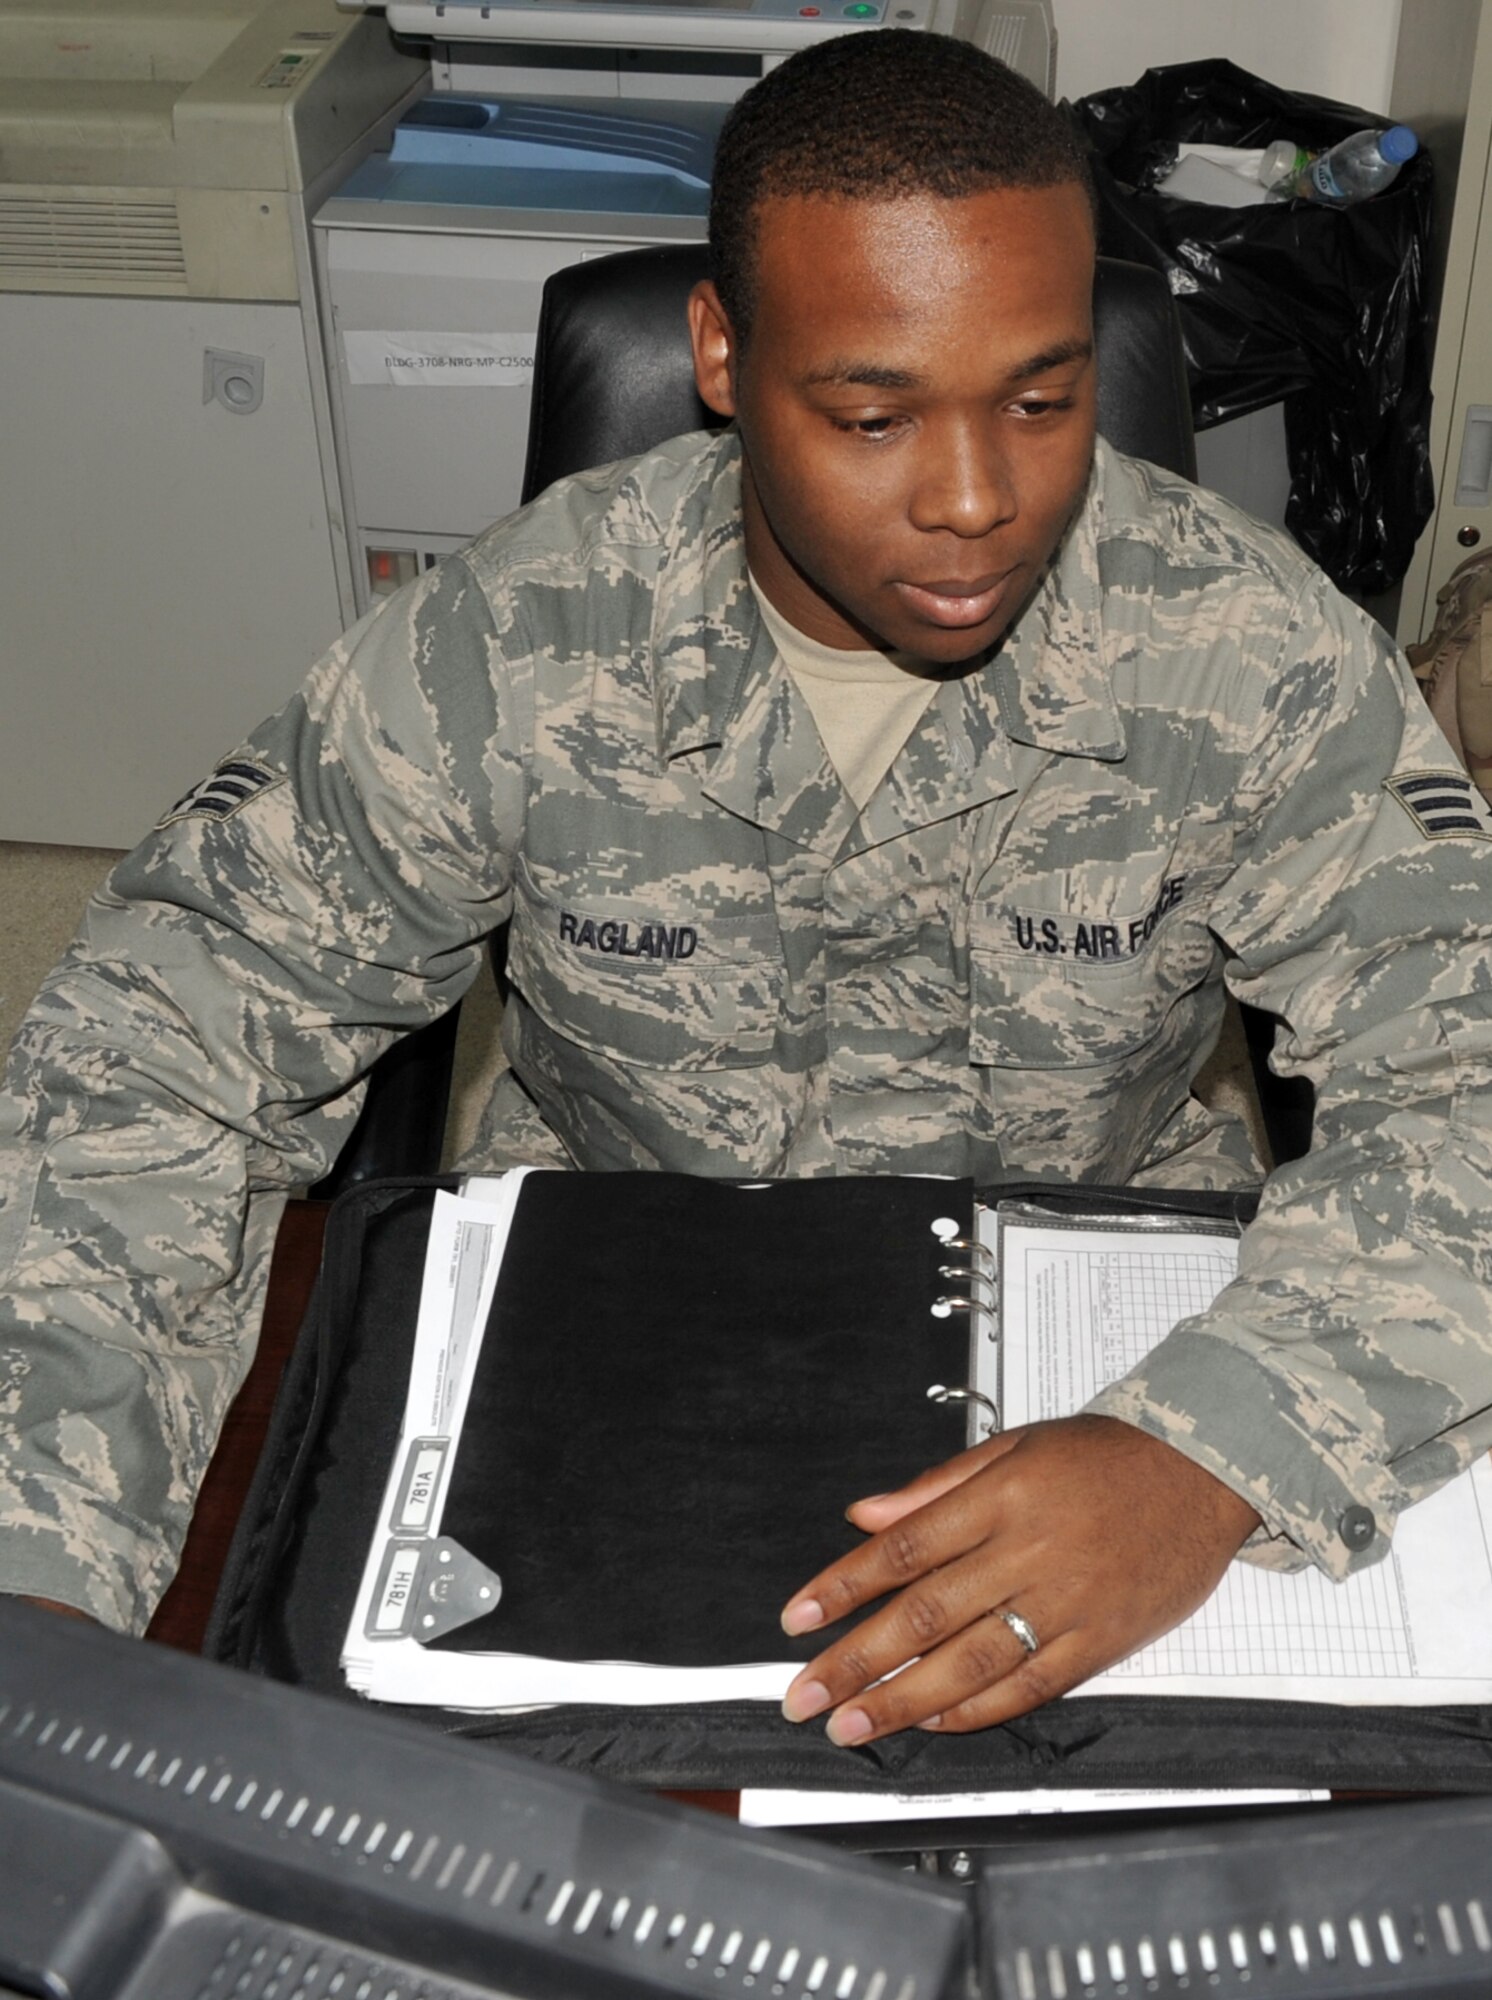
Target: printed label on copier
x,y
440,360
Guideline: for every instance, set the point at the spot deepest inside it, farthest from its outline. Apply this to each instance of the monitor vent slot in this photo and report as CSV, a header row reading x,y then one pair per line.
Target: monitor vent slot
x,y
1364,1945
629,1932
96,243
258,1961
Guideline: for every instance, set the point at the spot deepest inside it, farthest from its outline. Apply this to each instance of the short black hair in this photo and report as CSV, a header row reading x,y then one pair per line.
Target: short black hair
x,y
872,116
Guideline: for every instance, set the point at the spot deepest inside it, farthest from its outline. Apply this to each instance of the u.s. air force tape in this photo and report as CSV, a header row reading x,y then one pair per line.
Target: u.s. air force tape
x,y
1057,934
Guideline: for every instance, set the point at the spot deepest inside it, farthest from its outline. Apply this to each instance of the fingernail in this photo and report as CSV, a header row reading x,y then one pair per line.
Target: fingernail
x,y
802,1617
849,1725
930,1722
803,1699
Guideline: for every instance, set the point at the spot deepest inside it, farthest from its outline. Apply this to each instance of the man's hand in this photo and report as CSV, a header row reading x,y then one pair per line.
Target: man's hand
x,y
1098,1537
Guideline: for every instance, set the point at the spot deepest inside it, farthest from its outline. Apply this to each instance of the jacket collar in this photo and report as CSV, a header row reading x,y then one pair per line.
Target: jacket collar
x,y
707,639
718,684
1053,675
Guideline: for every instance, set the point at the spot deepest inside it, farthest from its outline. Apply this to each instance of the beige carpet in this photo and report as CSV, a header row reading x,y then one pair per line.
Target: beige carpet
x,y
43,890
42,893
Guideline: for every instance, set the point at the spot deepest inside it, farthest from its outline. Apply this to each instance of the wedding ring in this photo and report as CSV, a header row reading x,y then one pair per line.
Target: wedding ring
x,y
1021,1627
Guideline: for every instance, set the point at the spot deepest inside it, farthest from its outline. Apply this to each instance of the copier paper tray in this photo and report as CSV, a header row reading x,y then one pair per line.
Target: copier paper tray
x,y
547,153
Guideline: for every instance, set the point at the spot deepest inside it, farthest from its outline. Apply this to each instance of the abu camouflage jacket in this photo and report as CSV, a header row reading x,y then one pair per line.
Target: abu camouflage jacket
x,y
1190,761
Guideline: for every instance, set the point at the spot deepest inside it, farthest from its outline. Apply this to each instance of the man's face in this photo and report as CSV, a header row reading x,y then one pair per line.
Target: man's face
x,y
916,405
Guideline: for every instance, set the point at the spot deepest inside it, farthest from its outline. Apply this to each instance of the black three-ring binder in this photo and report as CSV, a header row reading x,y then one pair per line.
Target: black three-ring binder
x,y
682,1385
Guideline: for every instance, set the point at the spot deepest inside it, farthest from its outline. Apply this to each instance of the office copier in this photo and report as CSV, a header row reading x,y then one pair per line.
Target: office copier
x,y
552,131
172,555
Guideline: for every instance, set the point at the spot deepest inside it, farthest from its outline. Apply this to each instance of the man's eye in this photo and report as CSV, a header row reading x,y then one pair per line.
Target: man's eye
x,y
865,426
1040,406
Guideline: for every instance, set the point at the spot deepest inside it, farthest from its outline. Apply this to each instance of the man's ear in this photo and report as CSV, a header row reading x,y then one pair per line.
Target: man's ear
x,y
714,342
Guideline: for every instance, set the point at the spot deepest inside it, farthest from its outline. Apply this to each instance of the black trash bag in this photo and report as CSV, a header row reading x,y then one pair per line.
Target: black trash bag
x,y
1321,308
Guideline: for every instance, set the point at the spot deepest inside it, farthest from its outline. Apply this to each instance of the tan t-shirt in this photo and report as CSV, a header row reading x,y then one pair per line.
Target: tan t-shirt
x,y
866,704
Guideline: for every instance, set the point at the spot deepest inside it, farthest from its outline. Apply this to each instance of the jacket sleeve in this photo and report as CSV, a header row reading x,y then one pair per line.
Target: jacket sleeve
x,y
197,1054
1348,1370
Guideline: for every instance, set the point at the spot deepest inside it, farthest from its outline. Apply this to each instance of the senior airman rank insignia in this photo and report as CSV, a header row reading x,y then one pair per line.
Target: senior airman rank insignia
x,y
1444,805
227,791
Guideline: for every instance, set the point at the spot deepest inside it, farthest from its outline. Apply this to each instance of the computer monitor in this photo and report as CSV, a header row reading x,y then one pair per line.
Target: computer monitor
x,y
1357,1902
175,1830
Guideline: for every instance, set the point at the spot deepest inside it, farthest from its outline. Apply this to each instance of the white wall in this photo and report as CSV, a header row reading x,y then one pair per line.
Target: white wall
x,y
1333,48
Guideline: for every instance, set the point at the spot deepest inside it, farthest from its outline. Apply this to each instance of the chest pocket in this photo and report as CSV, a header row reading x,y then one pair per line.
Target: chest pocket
x,y
660,988
1043,1007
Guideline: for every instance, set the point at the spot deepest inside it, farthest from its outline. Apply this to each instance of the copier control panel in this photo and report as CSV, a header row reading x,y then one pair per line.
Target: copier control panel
x,y
744,26
1019,32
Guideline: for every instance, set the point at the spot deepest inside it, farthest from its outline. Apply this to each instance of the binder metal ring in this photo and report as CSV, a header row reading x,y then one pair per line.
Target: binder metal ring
x,y
973,1277
978,1253
939,1394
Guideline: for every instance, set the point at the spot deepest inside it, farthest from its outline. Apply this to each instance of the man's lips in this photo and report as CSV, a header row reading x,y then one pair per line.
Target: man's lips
x,y
956,605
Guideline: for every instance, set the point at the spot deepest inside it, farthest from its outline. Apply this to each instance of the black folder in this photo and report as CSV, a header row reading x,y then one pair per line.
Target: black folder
x,y
682,1385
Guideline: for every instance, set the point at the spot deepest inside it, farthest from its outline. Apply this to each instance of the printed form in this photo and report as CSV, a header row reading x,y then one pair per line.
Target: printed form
x,y
1079,1307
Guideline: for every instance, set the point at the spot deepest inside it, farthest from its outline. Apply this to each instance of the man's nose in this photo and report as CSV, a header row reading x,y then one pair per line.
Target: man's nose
x,y
964,483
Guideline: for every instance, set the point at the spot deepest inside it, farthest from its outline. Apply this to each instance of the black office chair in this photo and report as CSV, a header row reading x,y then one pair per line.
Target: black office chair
x,y
613,376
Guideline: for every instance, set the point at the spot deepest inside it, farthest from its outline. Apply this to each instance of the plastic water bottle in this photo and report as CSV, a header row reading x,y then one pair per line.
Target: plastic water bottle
x,y
1353,169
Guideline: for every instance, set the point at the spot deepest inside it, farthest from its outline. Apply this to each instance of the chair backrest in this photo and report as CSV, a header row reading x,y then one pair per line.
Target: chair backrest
x,y
612,374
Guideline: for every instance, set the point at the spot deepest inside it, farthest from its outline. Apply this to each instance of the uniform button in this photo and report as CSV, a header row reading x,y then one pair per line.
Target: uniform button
x,y
1357,1527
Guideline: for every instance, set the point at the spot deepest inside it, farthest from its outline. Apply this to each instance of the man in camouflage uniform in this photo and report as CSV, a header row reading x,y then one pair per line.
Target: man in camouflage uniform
x,y
1152,747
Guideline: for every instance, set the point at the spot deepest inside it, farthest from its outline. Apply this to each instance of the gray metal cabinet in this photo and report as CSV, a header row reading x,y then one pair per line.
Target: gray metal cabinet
x,y
1443,86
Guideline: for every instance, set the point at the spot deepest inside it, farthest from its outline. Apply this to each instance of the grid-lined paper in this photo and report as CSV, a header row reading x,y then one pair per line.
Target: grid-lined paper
x,y
1082,1305
1124,1298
